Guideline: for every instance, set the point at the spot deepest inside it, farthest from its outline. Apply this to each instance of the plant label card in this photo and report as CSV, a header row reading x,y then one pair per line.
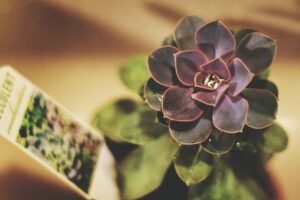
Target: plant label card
x,y
52,138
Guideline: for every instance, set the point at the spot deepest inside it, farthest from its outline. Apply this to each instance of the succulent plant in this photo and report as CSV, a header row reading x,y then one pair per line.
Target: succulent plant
x,y
207,87
200,83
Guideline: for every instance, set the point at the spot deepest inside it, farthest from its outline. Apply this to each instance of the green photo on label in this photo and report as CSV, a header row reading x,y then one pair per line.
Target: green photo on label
x,y
68,147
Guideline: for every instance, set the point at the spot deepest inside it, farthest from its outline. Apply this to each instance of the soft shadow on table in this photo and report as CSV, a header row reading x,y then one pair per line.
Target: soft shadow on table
x,y
16,184
33,29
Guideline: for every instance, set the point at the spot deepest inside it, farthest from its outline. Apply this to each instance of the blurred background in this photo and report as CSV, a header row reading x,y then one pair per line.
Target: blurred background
x,y
72,49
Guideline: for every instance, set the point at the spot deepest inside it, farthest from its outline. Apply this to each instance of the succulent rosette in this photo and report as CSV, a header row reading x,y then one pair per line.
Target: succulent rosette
x,y
200,83
207,86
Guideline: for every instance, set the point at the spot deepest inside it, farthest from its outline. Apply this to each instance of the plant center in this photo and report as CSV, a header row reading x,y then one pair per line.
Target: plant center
x,y
212,81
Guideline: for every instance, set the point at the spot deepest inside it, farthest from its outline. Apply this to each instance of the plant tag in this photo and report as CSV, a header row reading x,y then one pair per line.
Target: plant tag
x,y
46,132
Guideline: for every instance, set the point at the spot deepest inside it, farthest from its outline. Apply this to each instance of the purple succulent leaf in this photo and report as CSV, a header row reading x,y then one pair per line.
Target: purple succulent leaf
x,y
178,105
257,51
160,118
161,65
187,64
239,35
189,133
262,107
184,34
217,66
153,94
230,114
210,97
264,84
215,40
219,142
241,77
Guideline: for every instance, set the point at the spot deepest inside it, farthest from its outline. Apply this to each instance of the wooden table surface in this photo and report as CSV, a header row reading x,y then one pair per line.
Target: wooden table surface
x,y
72,50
